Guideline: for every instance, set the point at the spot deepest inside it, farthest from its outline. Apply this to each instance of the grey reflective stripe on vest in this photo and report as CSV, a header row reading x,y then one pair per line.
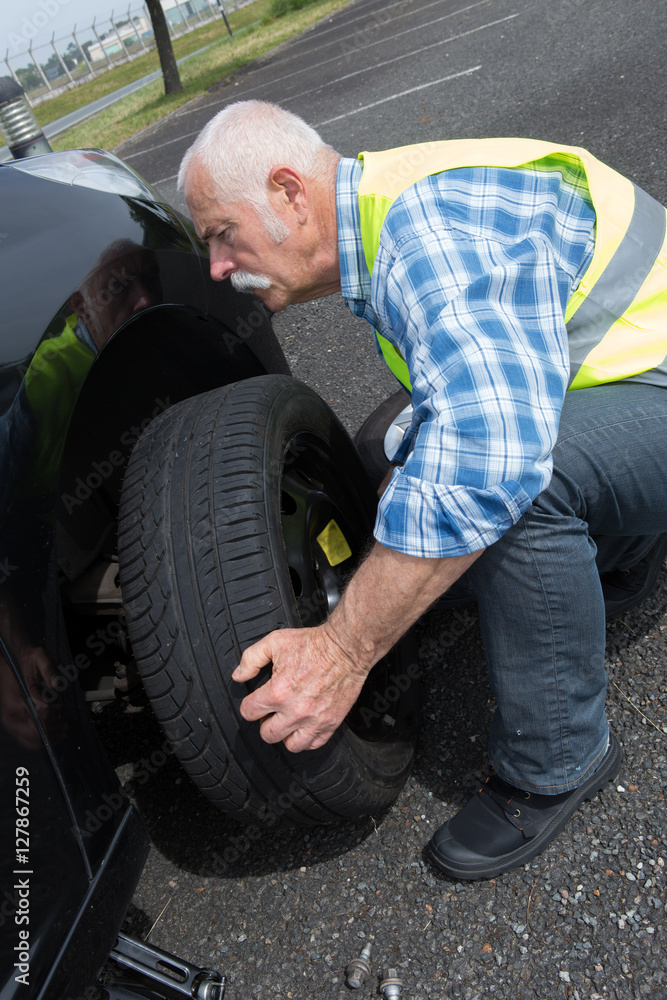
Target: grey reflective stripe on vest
x,y
619,283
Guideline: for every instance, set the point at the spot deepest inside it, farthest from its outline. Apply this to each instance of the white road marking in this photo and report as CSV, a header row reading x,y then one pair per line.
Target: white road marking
x,y
341,54
399,3
402,93
367,69
404,55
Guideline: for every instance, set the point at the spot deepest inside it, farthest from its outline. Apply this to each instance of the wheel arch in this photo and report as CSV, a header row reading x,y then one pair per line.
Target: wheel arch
x,y
165,355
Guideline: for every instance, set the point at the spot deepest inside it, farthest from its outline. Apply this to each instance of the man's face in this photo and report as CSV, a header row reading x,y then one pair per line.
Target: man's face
x,y
120,286
243,249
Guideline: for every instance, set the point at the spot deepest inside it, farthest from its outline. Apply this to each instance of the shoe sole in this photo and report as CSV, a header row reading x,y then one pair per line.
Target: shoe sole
x,y
507,862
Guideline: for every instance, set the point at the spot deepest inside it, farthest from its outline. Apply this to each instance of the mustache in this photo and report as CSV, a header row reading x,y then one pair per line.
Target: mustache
x,y
244,281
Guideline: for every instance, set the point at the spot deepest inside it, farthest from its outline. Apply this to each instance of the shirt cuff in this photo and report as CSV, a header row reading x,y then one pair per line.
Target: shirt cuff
x,y
437,521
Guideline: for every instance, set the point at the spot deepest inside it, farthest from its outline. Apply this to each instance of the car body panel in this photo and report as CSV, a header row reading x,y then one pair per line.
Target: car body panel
x,y
109,317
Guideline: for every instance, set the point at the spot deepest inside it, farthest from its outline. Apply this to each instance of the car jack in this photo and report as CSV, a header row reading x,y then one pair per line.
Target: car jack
x,y
153,974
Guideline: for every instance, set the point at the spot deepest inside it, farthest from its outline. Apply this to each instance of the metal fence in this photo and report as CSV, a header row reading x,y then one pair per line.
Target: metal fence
x,y
50,68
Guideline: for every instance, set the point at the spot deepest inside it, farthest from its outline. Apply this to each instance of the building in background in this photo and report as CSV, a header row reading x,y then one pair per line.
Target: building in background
x,y
124,33
176,11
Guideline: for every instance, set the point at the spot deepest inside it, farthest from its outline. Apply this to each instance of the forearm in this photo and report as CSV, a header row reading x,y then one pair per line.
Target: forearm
x,y
387,595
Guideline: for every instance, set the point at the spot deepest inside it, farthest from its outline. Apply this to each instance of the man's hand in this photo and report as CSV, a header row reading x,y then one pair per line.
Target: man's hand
x,y
314,684
319,672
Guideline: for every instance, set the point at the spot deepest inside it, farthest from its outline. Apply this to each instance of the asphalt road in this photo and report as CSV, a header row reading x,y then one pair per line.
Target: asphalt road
x,y
587,919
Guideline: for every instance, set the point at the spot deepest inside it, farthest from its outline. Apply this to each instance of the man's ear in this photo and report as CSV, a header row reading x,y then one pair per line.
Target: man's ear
x,y
289,186
80,307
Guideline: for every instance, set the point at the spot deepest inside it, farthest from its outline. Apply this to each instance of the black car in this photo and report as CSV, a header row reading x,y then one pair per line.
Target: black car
x,y
168,495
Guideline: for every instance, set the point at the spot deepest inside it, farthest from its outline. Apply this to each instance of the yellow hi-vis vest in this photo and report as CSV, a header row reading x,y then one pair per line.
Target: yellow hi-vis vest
x,y
52,384
616,319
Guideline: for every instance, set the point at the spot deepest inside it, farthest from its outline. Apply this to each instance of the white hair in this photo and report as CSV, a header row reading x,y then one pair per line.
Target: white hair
x,y
240,145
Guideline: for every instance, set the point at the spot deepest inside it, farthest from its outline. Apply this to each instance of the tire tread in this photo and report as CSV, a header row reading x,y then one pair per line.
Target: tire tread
x,y
197,574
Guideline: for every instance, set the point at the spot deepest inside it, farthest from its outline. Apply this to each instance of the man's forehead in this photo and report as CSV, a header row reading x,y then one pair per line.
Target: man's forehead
x,y
205,210
200,198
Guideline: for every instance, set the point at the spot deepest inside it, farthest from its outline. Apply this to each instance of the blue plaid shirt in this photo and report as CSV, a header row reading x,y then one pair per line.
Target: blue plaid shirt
x,y
474,271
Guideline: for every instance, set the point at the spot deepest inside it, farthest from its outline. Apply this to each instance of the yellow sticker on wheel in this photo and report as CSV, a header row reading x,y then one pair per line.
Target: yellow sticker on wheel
x,y
334,544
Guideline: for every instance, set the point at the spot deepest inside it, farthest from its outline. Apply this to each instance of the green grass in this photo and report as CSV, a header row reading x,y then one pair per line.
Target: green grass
x,y
281,7
146,106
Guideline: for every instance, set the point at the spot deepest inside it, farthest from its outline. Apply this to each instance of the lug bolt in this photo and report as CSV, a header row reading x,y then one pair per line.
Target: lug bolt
x,y
359,969
390,987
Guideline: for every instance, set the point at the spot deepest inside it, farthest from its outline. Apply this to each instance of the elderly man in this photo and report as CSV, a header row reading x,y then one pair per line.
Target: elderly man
x,y
497,274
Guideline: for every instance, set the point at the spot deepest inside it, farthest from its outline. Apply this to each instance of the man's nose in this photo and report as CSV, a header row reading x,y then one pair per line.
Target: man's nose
x,y
142,299
222,267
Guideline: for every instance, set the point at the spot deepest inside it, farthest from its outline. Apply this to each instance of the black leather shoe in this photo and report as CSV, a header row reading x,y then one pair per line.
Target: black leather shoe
x,y
502,827
624,588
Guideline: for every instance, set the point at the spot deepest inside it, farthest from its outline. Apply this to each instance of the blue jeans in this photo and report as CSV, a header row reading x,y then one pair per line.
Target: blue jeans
x,y
538,588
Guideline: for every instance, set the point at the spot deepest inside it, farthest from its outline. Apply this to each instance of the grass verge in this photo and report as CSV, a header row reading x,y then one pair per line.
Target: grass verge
x,y
146,106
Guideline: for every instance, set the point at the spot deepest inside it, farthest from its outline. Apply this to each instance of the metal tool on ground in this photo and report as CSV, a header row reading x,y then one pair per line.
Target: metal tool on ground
x,y
390,985
359,969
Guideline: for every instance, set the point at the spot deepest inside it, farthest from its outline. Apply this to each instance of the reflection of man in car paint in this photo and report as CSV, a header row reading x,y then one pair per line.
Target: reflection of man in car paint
x,y
124,281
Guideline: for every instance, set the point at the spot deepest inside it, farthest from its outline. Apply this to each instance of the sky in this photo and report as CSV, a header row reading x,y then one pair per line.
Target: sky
x,y
24,20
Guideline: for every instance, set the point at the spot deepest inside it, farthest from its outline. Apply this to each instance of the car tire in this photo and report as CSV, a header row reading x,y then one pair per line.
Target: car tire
x,y
370,437
239,508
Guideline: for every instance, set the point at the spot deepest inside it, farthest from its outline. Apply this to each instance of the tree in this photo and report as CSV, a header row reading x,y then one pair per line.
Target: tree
x,y
29,78
72,56
172,79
